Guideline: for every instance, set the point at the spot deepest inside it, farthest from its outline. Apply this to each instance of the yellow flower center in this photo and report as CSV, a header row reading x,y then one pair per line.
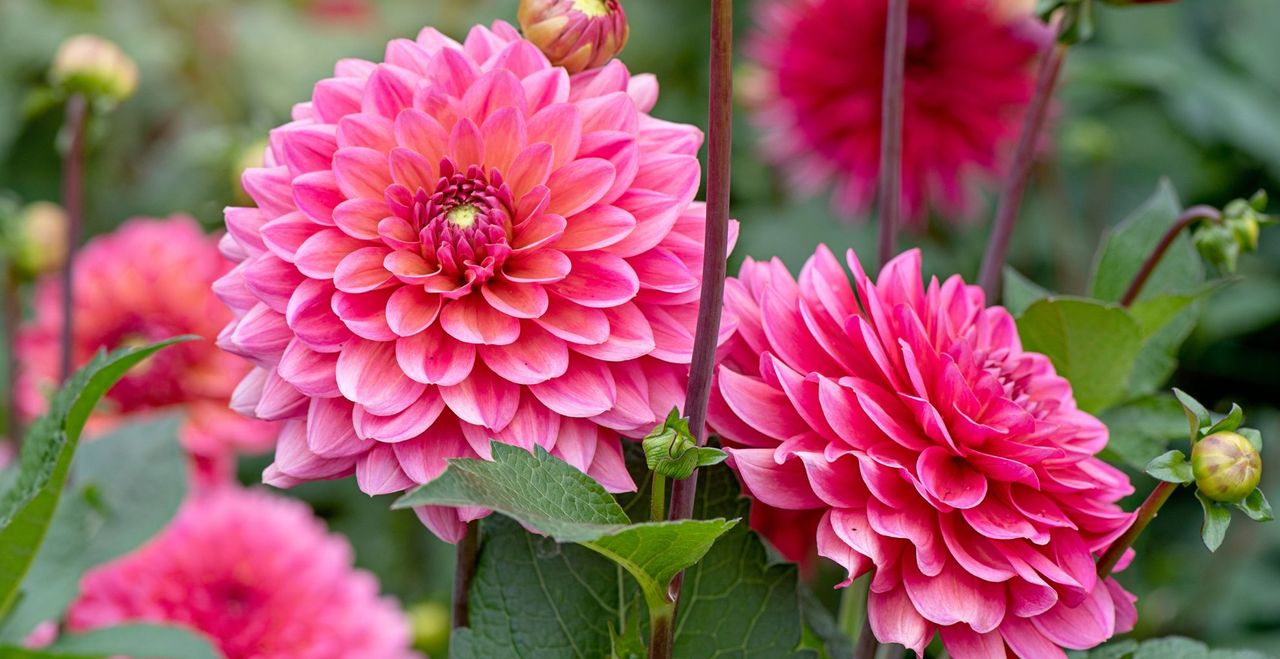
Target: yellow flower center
x,y
591,8
463,216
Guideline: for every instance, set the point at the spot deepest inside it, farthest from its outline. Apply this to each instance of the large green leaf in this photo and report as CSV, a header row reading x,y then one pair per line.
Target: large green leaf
x,y
133,640
1091,344
124,488
1142,429
27,508
1169,647
1020,292
548,495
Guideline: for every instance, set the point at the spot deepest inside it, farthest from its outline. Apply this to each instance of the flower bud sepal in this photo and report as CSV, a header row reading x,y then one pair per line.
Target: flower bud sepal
x,y
670,450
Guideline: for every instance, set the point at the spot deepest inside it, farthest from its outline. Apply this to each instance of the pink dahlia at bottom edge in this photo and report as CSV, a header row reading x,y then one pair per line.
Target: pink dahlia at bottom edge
x,y
968,78
258,575
147,281
460,244
901,429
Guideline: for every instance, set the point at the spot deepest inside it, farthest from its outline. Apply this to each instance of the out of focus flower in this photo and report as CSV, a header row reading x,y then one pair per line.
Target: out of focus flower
x,y
939,455
461,244
968,79
575,34
1226,465
90,65
40,239
147,281
257,574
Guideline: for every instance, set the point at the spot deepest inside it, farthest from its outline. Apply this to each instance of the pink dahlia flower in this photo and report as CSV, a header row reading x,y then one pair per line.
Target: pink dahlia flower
x,y
257,574
942,457
968,78
465,243
147,281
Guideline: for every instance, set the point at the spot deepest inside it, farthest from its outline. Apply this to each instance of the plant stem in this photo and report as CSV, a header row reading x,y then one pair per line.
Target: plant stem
x,y
1015,184
464,571
1146,513
891,102
658,498
72,202
1188,217
716,247
867,643
660,638
852,618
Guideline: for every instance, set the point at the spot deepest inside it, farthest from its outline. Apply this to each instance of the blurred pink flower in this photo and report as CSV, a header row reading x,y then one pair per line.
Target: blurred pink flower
x,y
942,456
968,77
462,244
257,574
148,280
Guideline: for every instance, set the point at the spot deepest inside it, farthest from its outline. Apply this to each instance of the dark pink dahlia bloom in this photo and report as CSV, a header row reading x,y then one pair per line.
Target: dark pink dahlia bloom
x,y
257,574
465,243
968,78
942,457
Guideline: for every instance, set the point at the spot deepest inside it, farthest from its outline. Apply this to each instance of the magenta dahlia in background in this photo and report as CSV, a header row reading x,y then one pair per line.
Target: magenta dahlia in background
x,y
943,458
969,75
147,281
465,243
257,574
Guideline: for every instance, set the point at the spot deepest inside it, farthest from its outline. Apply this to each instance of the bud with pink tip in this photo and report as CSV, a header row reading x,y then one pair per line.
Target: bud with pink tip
x,y
576,34
90,65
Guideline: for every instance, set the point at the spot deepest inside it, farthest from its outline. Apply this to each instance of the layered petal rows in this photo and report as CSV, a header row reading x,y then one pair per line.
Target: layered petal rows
x,y
900,429
459,244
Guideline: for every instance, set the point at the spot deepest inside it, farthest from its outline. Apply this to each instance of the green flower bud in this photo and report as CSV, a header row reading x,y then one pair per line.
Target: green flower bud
x,y
90,65
1226,465
671,450
40,240
1218,244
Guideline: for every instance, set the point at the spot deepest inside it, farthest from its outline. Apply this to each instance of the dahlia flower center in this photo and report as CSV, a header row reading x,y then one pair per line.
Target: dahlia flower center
x,y
591,7
463,216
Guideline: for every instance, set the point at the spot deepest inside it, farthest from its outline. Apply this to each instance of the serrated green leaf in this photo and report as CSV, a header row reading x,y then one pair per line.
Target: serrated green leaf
x,y
132,640
1020,292
1230,422
1253,435
1091,344
27,508
1142,428
1197,414
1256,506
1172,467
1217,518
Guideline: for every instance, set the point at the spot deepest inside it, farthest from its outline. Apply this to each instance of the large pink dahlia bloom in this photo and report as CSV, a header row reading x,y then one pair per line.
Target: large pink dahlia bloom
x,y
465,243
941,456
147,281
968,78
257,574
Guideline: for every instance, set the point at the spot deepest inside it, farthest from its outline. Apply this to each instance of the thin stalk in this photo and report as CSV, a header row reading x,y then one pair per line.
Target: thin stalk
x,y
11,314
1147,512
854,621
660,636
711,303
464,571
1188,217
891,109
1015,184
72,202
658,498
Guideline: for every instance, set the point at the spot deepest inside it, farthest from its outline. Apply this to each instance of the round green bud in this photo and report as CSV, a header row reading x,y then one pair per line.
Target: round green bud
x,y
1226,465
90,65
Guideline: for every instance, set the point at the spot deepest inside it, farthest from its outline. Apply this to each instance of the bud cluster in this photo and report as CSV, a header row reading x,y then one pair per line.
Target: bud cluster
x,y
1222,242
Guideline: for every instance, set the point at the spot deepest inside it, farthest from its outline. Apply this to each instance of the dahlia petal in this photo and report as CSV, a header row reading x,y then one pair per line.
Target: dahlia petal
x,y
783,485
245,226
759,405
294,459
677,176
310,316
279,399
411,310
286,234
411,169
329,430
495,91
472,320
270,280
504,136
598,279
630,336
306,148
972,552
443,522
368,374
643,90
655,213
388,90
270,188
632,409
535,357
894,619
378,472
1082,626
832,480
1126,613
532,425
361,271
529,169
577,443
259,334
318,256
949,479
245,397
585,390
955,596
431,357
368,130
994,519
830,546
361,172
543,266
410,423
365,314
545,88
1028,599
424,458
466,144
661,270
316,194
595,228
419,131
560,126
312,373
483,399
578,185
961,641
336,97
516,300
609,468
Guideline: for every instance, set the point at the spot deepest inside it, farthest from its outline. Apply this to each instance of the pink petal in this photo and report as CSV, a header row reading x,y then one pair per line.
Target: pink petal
x,y
579,184
483,399
369,375
540,266
515,300
313,373
466,144
410,310
532,425
310,315
535,357
443,522
783,485
367,130
894,620
431,357
574,323
595,228
424,458
286,234
961,641
759,405
410,423
365,314
329,430
361,271
472,320
560,126
412,170
529,169
378,472
955,596
948,478
361,172
293,457
585,390
598,279
630,336
318,256
1080,627
420,132
316,195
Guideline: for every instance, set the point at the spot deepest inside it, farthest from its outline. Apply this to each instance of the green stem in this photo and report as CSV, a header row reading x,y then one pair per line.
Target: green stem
x,y
658,498
1147,512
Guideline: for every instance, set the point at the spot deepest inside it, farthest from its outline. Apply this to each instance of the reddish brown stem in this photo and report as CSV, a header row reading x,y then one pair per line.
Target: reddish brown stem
x,y
464,571
891,108
72,202
1147,512
1188,217
1015,184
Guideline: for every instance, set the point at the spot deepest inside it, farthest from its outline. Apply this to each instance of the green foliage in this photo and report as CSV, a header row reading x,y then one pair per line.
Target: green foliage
x,y
1217,517
133,640
1020,292
1169,647
1172,467
27,509
1094,345
1142,428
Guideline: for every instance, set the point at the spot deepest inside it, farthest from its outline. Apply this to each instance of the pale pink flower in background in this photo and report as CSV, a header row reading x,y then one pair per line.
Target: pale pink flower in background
x,y
147,281
465,243
943,458
968,78
257,574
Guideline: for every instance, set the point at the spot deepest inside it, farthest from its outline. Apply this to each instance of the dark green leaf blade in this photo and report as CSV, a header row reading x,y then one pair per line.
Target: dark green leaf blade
x,y
1091,344
1172,467
1256,506
1217,518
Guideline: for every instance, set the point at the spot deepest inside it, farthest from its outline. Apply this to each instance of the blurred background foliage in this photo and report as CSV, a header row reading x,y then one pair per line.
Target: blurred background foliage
x,y
1188,91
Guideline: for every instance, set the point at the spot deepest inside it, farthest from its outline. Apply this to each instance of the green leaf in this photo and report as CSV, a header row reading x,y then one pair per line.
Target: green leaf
x,y
132,640
1197,414
27,508
1256,506
1216,519
1172,467
1091,344
1230,422
710,456
1253,436
1169,647
1127,246
124,488
1020,292
1142,428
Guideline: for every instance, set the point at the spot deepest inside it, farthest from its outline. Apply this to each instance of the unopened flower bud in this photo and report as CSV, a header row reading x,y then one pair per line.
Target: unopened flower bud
x,y
40,240
671,450
90,65
575,34
1218,244
1226,465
